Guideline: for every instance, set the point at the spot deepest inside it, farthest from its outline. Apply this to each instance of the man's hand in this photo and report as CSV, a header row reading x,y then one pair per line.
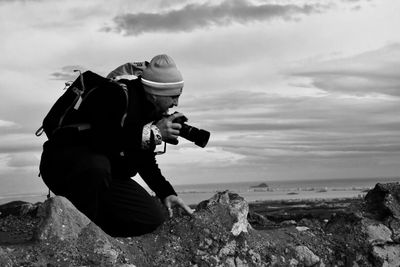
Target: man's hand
x,y
169,130
173,200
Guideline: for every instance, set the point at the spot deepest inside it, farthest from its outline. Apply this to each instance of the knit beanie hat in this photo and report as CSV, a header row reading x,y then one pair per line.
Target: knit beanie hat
x,y
161,77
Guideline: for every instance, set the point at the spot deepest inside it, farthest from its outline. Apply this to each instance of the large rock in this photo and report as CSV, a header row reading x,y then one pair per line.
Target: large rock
x,y
64,236
60,220
387,255
369,236
218,234
236,206
384,200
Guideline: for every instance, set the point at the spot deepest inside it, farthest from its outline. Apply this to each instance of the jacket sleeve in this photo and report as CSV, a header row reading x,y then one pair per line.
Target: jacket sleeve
x,y
151,174
141,159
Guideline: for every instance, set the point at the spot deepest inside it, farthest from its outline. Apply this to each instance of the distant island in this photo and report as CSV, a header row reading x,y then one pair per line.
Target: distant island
x,y
260,188
262,185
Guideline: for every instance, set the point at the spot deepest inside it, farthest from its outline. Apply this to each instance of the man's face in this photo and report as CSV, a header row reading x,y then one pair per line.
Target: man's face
x,y
164,103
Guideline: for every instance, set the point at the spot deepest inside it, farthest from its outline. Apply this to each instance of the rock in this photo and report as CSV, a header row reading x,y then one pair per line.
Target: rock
x,y
237,207
311,223
258,221
288,222
384,200
228,249
98,246
64,236
394,225
293,262
388,255
378,234
60,219
217,234
302,228
5,261
239,262
18,208
306,256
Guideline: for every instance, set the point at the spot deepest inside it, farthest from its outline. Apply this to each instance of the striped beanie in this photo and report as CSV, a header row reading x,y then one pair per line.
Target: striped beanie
x,y
161,77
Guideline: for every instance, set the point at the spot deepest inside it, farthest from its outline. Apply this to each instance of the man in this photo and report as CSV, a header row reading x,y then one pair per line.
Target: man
x,y
93,167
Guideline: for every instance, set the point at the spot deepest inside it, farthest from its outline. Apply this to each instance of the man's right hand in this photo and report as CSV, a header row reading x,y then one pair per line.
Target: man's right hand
x,y
170,130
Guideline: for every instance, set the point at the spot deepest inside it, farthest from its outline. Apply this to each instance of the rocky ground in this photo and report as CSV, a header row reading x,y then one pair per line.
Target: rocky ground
x,y
320,210
224,231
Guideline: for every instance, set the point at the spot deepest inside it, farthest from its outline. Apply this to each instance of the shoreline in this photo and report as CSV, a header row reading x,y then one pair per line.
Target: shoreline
x,y
251,191
255,197
252,197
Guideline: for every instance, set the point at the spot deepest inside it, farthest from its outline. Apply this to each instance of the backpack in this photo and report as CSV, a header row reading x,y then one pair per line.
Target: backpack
x,y
83,87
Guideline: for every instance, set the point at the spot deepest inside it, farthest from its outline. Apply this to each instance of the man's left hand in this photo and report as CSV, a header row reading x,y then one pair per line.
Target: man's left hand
x,y
173,200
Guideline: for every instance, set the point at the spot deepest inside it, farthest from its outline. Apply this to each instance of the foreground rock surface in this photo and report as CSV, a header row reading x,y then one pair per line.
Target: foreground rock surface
x,y
54,233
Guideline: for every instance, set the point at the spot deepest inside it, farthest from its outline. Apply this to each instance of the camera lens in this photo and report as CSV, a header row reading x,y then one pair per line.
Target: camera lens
x,y
199,136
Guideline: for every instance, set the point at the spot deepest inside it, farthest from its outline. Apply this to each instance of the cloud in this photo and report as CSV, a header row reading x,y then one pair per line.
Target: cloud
x,y
7,124
67,73
372,72
18,142
22,1
195,16
20,160
265,129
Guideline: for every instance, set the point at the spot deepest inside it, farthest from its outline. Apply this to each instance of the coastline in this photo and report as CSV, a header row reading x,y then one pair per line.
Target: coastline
x,y
279,195
251,191
193,198
31,198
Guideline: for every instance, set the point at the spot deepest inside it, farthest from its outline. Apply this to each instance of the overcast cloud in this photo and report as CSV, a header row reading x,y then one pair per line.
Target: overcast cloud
x,y
368,73
206,15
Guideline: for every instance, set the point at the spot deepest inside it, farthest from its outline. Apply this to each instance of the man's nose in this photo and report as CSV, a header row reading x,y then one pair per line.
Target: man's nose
x,y
175,102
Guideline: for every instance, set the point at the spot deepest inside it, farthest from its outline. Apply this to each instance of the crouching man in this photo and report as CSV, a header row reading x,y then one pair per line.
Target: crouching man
x,y
93,167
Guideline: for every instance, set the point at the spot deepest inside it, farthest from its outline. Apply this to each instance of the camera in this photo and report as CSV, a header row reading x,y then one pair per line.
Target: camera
x,y
198,136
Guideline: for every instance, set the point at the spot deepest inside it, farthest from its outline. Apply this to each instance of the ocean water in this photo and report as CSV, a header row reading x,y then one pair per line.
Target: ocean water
x,y
276,190
284,190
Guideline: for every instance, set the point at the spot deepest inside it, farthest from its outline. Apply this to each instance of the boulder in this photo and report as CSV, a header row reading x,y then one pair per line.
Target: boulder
x,y
387,255
236,206
306,256
64,236
384,200
216,235
60,220
378,234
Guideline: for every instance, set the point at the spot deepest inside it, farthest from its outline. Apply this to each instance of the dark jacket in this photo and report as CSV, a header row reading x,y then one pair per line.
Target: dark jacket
x,y
103,110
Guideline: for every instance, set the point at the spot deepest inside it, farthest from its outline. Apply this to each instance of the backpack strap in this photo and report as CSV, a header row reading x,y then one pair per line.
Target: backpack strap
x,y
125,90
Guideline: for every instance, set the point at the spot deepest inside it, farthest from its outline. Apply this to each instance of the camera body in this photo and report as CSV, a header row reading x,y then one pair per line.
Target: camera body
x,y
200,137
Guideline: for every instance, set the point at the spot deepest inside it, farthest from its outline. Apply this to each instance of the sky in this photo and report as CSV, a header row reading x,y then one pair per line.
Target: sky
x,y
289,89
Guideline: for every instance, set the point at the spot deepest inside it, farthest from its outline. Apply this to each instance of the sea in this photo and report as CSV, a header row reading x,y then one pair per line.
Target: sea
x,y
253,191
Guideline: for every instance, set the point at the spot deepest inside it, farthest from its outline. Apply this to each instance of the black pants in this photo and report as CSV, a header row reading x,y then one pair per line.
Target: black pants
x,y
119,205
